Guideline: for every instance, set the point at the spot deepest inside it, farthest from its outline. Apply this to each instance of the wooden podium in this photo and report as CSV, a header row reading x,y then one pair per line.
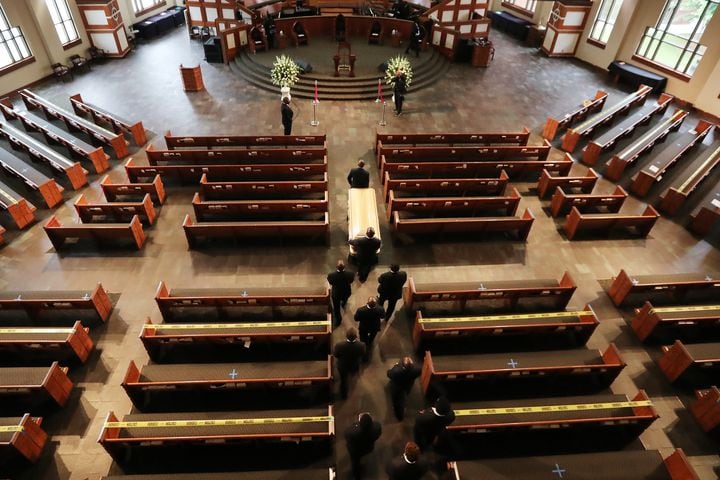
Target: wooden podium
x,y
192,78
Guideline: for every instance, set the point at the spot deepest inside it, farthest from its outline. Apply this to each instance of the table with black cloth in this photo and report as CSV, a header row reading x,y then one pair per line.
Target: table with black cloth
x,y
178,13
155,25
507,22
637,76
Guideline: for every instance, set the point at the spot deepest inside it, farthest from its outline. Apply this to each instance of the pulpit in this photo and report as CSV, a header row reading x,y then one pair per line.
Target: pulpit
x,y
344,59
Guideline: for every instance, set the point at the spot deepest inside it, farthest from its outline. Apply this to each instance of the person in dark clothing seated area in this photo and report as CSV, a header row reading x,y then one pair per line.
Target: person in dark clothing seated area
x,y
349,353
360,438
431,422
358,176
402,377
287,115
341,287
390,288
366,252
409,465
369,317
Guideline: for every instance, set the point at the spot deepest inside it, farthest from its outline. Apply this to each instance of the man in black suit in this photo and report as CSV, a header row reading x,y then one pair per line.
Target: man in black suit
x,y
431,422
402,376
408,466
287,115
341,282
349,354
360,438
369,317
366,252
358,176
390,287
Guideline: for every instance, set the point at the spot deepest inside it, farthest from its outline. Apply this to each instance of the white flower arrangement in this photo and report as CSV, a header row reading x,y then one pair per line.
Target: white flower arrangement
x,y
284,72
402,64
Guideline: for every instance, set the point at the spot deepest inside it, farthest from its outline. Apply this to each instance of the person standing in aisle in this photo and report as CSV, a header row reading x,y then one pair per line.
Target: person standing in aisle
x,y
349,353
360,438
369,318
390,288
402,377
287,115
341,287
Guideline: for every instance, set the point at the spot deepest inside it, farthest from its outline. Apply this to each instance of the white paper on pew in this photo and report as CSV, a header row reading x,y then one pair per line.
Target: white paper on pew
x,y
653,168
715,203
246,343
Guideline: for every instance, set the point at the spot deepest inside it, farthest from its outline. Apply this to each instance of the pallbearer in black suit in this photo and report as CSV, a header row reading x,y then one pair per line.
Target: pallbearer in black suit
x,y
287,115
360,438
341,282
366,256
390,286
358,176
402,376
369,317
431,422
349,353
409,465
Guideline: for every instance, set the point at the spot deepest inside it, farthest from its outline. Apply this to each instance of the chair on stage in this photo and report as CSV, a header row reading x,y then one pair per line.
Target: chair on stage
x,y
299,34
344,59
376,32
340,28
258,40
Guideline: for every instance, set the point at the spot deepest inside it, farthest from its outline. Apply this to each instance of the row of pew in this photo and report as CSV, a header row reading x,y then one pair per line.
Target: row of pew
x,y
39,332
592,117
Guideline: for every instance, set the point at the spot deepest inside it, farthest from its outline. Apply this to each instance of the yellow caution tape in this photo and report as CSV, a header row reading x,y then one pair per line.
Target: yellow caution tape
x,y
11,428
36,330
494,318
554,408
217,423
201,326
694,308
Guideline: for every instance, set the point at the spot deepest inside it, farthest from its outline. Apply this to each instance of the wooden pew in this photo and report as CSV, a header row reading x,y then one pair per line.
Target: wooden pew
x,y
419,295
554,124
704,218
267,438
622,160
28,388
58,233
696,365
27,440
32,345
521,225
73,122
21,211
524,427
606,141
51,192
674,197
504,375
641,224
362,214
248,141
52,133
193,173
112,191
674,287
301,473
2,235
548,183
477,169
654,171
119,125
299,340
249,229
117,211
239,156
679,322
573,135
537,331
208,385
284,189
706,408
35,303
454,206
621,465
444,186
562,202
223,299
259,209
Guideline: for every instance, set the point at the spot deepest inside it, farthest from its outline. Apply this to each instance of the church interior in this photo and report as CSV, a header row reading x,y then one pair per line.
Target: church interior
x,y
606,392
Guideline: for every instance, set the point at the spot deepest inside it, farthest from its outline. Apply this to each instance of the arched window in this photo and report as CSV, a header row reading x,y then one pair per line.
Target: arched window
x,y
674,42
13,47
63,21
605,20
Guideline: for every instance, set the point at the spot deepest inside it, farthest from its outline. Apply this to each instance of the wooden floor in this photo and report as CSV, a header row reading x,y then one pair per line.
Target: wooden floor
x,y
519,89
